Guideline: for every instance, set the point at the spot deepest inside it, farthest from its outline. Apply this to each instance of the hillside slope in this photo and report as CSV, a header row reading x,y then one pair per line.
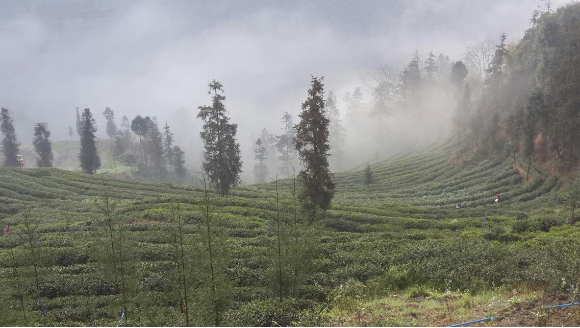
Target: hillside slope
x,y
404,231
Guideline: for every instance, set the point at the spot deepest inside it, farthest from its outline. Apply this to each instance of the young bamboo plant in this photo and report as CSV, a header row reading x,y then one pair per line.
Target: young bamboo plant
x,y
114,255
31,236
215,286
180,244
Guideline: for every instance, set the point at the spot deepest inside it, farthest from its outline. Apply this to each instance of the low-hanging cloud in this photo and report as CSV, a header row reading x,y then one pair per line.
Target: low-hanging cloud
x,y
156,57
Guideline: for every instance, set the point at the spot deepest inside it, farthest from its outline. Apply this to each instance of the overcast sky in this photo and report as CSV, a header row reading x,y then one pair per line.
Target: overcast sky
x,y
154,57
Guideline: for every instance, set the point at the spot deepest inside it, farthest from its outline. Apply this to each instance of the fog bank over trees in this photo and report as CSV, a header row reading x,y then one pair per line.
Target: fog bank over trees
x,y
155,58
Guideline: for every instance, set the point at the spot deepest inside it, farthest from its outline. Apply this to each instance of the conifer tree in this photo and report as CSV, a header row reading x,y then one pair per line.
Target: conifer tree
x,y
431,69
335,130
88,155
269,142
410,82
381,109
42,145
70,132
79,124
312,145
496,70
155,148
179,161
354,103
168,138
368,176
443,64
285,146
10,146
222,160
260,168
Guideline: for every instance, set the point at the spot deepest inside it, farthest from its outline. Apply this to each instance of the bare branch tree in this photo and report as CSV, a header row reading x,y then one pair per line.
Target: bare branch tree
x,y
478,56
383,74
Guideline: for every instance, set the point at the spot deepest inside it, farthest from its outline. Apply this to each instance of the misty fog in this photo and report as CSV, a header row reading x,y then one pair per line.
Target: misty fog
x,y
156,58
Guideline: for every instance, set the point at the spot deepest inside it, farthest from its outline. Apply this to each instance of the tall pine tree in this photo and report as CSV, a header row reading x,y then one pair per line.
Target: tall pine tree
x,y
179,161
10,146
312,145
88,155
155,148
222,160
431,69
42,145
79,123
260,155
336,131
285,146
168,138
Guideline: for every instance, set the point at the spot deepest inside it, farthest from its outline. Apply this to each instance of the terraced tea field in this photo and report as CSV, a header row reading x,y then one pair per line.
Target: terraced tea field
x,y
404,233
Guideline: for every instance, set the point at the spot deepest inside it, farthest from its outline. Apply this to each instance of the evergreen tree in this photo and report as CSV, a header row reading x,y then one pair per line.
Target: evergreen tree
x,y
155,148
285,146
179,161
269,142
10,146
354,103
168,138
381,109
222,160
312,145
260,155
88,156
410,82
70,132
335,130
42,145
443,65
431,69
79,124
368,176
496,70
